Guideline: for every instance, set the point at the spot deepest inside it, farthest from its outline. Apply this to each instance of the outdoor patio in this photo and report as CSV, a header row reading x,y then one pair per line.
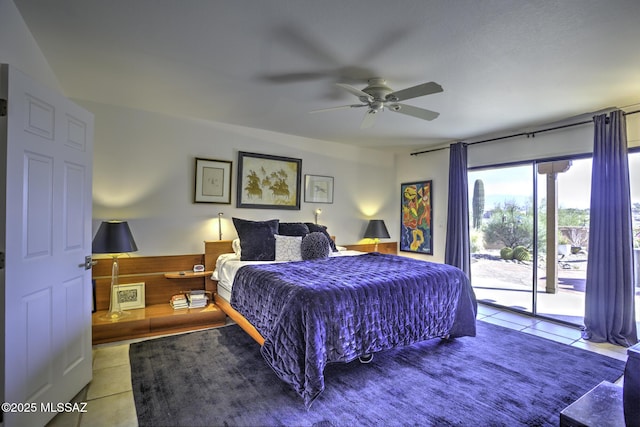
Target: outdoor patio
x,y
508,284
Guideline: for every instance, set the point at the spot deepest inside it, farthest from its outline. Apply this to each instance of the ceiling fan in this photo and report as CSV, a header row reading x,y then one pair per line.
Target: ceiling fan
x,y
377,96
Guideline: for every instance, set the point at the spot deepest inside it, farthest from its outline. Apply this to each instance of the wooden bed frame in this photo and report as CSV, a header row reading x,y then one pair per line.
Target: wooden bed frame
x,y
213,249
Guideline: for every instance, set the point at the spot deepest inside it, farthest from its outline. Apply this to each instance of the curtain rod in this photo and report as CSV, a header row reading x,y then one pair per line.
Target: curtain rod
x,y
527,134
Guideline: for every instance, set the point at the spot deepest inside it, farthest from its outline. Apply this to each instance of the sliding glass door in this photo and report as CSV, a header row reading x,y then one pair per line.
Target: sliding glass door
x,y
529,236
550,200
563,199
502,235
634,177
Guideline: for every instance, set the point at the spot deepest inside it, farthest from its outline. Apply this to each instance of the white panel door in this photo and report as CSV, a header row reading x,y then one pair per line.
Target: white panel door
x,y
48,292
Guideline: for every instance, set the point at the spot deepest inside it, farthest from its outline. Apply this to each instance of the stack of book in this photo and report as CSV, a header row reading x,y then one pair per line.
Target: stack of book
x,y
197,299
179,301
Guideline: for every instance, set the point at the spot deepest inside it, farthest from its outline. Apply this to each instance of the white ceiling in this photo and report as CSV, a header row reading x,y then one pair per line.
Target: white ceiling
x,y
504,64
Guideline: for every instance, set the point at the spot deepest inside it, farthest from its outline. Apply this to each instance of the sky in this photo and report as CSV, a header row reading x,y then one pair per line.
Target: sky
x,y
516,183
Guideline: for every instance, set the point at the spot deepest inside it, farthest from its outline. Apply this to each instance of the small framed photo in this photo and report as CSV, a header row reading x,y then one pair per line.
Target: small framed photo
x,y
318,189
130,296
213,181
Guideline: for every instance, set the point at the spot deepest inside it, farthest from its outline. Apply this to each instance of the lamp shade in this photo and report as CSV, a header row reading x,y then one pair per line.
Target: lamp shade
x,y
113,237
376,230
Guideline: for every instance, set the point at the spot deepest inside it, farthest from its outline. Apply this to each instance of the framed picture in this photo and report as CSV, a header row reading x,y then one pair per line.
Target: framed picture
x,y
318,189
130,295
268,182
213,181
416,233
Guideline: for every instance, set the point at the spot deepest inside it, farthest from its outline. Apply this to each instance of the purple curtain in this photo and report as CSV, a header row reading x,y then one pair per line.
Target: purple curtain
x,y
457,252
609,296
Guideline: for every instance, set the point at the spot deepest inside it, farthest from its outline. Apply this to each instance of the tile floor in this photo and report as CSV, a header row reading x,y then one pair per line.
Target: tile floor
x,y
109,396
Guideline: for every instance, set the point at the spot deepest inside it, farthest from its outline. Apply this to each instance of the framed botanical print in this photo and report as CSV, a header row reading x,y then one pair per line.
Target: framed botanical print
x,y
416,232
268,182
213,181
318,189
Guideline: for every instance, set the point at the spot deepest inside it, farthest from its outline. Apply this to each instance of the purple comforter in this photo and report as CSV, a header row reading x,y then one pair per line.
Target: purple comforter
x,y
336,309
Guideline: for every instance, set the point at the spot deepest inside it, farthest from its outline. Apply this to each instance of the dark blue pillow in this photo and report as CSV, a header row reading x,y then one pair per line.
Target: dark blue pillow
x,y
256,239
322,229
315,245
293,229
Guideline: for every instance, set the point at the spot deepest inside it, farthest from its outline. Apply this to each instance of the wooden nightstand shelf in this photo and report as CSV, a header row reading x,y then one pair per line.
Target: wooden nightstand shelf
x,y
155,320
383,247
187,274
158,317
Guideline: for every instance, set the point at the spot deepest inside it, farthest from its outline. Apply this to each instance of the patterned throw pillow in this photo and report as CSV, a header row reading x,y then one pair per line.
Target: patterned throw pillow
x,y
322,229
315,246
288,248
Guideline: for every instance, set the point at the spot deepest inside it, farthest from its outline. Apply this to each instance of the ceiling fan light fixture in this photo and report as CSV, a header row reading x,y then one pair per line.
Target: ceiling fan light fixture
x,y
376,106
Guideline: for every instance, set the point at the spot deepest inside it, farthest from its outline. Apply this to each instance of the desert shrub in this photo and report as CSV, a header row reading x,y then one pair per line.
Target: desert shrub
x,y
477,241
511,225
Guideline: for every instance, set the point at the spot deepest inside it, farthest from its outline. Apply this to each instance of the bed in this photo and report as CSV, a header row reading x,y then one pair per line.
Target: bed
x,y
308,313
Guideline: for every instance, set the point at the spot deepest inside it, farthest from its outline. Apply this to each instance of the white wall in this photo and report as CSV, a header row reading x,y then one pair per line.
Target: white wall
x,y
435,165
19,48
144,173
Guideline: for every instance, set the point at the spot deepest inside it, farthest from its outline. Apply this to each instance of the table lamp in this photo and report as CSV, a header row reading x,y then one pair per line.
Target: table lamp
x,y
376,230
115,238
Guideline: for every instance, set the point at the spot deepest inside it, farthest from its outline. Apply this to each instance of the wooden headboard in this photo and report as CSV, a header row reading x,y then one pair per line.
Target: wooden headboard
x,y
213,249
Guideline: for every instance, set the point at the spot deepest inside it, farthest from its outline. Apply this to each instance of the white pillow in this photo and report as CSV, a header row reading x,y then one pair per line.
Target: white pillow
x,y
288,248
235,244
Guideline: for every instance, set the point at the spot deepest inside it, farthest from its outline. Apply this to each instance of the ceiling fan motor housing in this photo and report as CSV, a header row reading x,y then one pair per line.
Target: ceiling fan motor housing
x,y
378,90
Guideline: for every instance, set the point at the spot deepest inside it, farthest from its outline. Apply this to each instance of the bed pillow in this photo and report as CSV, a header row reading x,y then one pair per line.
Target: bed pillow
x,y
237,249
256,239
322,229
315,246
288,248
293,229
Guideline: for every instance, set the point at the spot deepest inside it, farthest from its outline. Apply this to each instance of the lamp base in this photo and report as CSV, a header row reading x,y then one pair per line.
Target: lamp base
x,y
115,316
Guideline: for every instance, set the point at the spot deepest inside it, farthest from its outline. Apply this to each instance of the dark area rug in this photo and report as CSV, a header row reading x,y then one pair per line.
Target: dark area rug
x,y
499,378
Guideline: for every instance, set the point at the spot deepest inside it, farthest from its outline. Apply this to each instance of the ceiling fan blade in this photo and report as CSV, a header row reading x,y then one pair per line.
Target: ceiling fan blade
x,y
369,119
414,92
410,110
355,91
294,77
341,107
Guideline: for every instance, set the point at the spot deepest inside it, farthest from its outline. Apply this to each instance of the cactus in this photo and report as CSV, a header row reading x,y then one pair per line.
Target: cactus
x,y
521,253
478,203
506,253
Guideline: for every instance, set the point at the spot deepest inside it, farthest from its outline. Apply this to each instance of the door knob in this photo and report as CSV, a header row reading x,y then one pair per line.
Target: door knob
x,y
88,263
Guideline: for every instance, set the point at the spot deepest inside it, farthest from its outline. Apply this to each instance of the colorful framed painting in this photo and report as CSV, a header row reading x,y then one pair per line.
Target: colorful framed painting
x,y
213,181
416,232
268,182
